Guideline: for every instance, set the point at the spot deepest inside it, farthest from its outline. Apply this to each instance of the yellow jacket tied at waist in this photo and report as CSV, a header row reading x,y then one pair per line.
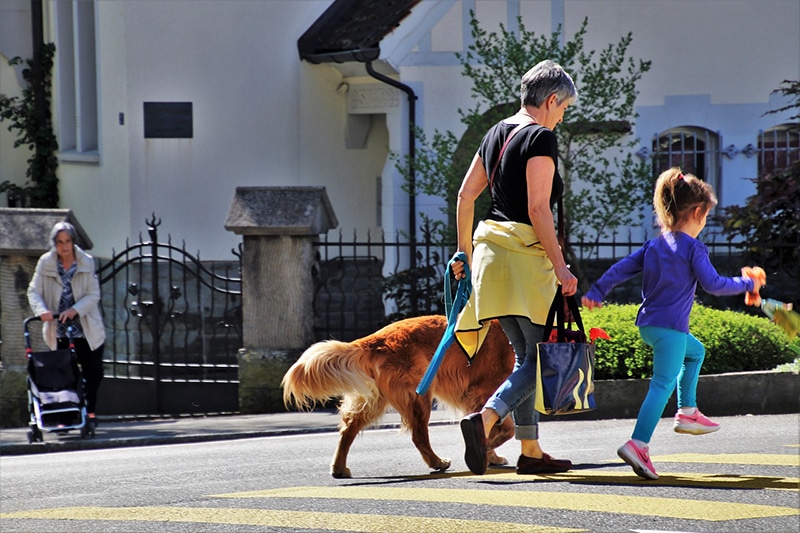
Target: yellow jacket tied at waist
x,y
511,276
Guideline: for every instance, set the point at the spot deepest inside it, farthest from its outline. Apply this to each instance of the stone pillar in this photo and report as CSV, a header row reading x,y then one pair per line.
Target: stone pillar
x,y
279,226
23,238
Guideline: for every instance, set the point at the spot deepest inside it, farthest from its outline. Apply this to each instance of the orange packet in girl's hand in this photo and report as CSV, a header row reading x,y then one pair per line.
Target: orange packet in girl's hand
x,y
758,275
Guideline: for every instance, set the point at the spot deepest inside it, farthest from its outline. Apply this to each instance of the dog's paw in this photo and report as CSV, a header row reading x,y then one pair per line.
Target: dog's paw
x,y
341,474
496,460
442,465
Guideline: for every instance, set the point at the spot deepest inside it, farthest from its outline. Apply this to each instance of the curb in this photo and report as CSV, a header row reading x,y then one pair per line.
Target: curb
x,y
79,444
733,394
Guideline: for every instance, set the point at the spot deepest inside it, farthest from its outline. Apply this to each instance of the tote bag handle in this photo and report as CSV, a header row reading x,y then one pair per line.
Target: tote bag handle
x,y
557,312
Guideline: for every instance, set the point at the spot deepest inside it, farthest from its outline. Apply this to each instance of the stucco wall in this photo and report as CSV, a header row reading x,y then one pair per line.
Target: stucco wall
x,y
714,64
264,117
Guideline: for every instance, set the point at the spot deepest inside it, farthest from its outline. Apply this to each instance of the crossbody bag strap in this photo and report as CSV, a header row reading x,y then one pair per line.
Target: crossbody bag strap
x,y
503,150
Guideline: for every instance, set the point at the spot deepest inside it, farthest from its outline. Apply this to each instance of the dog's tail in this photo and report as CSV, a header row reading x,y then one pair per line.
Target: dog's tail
x,y
327,370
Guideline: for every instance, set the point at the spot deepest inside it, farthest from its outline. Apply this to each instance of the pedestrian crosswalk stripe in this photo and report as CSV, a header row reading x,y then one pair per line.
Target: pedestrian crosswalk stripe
x,y
366,523
666,479
605,503
730,458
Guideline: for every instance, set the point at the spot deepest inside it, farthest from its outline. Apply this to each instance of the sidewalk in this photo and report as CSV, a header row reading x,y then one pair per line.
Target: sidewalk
x,y
721,395
116,432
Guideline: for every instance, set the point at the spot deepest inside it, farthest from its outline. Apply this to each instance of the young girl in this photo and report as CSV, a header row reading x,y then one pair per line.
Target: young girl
x,y
671,266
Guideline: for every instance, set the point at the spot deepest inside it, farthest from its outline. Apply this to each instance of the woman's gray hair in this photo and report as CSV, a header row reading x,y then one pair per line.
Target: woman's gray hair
x,y
58,227
546,78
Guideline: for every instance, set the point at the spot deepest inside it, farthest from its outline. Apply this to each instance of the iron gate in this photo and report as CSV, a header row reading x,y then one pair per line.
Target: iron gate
x,y
174,328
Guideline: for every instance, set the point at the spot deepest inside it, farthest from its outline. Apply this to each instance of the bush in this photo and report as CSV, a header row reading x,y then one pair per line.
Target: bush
x,y
735,342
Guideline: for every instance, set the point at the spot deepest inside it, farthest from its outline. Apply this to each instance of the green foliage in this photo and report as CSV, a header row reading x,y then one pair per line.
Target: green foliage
x,y
735,342
770,221
625,355
437,172
773,213
791,89
420,287
605,186
35,130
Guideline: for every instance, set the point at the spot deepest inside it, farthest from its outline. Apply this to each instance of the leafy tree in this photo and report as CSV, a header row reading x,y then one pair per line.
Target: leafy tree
x,y
29,114
439,168
605,187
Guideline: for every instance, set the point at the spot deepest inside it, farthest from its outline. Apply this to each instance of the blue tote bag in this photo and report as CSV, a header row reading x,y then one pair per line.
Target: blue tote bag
x,y
565,368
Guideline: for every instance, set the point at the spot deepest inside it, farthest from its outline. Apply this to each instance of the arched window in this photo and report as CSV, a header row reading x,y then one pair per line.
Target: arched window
x,y
694,150
778,148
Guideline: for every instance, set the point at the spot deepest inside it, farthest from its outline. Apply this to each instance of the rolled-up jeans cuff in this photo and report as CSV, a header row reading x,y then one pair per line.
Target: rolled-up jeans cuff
x,y
526,432
498,406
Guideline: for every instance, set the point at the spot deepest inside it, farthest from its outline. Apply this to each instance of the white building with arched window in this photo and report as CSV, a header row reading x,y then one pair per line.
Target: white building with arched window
x,y
168,106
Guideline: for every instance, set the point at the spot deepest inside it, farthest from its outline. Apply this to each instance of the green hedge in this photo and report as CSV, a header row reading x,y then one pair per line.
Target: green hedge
x,y
734,341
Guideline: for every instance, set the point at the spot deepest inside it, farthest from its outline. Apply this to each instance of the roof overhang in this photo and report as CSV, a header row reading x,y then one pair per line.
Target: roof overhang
x,y
351,30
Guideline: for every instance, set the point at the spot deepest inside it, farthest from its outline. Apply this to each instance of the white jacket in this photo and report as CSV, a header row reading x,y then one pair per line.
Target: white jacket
x,y
44,293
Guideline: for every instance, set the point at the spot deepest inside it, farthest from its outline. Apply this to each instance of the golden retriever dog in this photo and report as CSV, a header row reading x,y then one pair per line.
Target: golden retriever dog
x,y
383,369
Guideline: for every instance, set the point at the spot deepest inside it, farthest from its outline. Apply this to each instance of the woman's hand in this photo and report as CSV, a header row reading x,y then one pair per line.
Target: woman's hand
x,y
47,316
569,283
458,269
69,314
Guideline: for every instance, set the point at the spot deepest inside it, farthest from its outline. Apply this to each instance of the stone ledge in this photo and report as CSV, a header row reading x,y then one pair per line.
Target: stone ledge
x,y
736,393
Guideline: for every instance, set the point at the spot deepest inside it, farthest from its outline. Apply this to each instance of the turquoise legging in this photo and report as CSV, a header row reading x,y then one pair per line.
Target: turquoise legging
x,y
677,358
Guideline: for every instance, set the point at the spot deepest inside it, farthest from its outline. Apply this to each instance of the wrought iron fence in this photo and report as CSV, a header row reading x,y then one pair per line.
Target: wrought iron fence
x,y
363,284
174,326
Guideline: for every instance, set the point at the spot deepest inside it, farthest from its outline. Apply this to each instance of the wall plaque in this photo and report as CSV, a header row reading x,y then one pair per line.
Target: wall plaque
x,y
372,98
168,120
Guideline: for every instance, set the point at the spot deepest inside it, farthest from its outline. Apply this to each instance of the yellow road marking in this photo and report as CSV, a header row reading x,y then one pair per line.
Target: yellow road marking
x,y
731,458
600,477
367,523
669,479
573,501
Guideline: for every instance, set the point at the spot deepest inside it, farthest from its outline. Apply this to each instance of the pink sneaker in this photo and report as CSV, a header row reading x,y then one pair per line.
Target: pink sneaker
x,y
696,424
639,459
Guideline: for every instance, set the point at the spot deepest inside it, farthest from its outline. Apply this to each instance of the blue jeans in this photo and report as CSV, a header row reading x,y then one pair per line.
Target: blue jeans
x,y
515,395
677,358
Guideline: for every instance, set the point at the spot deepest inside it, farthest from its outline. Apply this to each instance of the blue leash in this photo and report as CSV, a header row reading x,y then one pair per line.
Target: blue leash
x,y
452,307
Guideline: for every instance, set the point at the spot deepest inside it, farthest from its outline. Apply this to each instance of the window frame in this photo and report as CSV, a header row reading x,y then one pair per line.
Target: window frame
x,y
76,81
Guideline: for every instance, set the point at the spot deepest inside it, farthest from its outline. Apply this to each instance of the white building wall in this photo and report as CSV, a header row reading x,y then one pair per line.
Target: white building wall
x,y
99,193
714,64
263,117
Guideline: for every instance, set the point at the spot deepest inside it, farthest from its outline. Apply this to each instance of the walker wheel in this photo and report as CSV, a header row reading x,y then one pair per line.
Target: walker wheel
x,y
30,436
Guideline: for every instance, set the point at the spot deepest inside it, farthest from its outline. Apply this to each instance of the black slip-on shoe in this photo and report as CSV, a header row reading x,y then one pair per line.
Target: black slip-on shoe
x,y
545,465
475,443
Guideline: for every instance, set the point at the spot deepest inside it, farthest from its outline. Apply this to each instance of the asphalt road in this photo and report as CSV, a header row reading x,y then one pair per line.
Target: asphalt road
x,y
743,478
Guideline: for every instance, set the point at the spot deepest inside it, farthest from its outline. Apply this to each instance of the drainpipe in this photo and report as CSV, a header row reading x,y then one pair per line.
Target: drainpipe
x,y
412,182
36,77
